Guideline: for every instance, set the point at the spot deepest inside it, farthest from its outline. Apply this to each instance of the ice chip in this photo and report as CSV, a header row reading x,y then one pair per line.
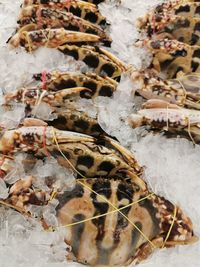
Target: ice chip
x,y
44,112
3,190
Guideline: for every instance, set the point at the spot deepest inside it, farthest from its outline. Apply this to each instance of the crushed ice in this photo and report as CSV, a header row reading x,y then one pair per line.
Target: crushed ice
x,y
23,242
44,112
11,119
23,238
50,169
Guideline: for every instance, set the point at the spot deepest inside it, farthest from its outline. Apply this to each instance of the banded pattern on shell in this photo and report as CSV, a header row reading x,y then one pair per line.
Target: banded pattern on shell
x,y
159,115
173,31
156,19
51,38
41,18
89,156
87,11
53,24
183,92
78,121
183,29
113,239
60,92
174,58
110,222
101,61
98,85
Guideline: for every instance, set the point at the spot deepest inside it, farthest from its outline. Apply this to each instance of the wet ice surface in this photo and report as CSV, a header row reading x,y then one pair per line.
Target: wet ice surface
x,y
172,170
24,243
23,238
17,66
171,165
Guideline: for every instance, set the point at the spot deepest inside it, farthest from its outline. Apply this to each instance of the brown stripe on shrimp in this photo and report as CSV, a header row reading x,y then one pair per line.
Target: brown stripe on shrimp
x,y
184,91
164,117
160,115
96,58
80,9
174,58
96,2
151,86
157,18
97,85
160,111
83,152
62,105
52,38
186,30
77,121
44,18
33,97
